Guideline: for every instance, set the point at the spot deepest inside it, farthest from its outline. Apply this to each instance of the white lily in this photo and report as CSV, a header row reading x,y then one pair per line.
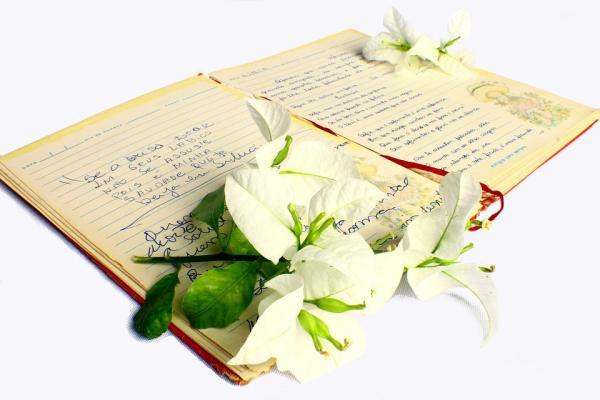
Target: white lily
x,y
427,50
403,47
459,26
272,118
258,201
308,165
306,158
440,233
345,200
391,46
312,165
428,282
360,276
433,243
279,333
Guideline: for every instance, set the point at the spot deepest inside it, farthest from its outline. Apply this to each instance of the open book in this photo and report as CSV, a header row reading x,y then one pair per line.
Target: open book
x,y
497,129
124,182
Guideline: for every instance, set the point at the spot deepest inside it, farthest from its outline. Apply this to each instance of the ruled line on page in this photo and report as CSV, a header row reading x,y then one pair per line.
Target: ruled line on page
x,y
94,144
119,140
161,138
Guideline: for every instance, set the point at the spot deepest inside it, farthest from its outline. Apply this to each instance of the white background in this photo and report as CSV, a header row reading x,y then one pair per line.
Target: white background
x,y
64,326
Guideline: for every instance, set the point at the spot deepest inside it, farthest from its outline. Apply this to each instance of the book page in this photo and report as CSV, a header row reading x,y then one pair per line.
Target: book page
x,y
487,125
124,183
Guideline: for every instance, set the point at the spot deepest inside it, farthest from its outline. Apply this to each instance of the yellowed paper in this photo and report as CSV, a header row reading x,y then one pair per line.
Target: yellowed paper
x,y
497,129
124,182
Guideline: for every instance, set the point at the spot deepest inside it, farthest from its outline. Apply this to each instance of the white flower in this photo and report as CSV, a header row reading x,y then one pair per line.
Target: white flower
x,y
404,47
427,50
308,165
345,200
391,46
311,165
307,158
433,243
459,26
279,334
360,275
314,179
272,118
440,233
258,201
428,282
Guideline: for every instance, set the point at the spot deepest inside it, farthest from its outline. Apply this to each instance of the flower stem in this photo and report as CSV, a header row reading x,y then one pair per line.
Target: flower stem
x,y
315,231
298,227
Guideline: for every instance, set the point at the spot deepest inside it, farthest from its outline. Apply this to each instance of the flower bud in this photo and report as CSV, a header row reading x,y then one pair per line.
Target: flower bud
x,y
317,329
334,305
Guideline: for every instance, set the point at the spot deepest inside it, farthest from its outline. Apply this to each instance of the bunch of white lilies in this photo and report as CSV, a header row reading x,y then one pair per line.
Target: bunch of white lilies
x,y
287,205
407,49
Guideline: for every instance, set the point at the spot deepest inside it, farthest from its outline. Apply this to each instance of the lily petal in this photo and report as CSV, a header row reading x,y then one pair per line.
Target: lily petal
x,y
422,235
352,256
441,232
459,25
304,187
453,66
461,194
429,282
388,271
312,165
275,329
482,286
375,50
399,27
306,364
425,48
346,200
257,201
272,118
267,152
320,160
321,279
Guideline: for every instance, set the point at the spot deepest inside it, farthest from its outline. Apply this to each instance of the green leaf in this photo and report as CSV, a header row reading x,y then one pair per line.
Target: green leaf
x,y
238,244
444,45
283,152
218,297
211,208
152,320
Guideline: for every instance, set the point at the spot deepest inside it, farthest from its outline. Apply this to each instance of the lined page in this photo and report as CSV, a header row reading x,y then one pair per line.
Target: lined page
x,y
125,182
128,179
486,125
